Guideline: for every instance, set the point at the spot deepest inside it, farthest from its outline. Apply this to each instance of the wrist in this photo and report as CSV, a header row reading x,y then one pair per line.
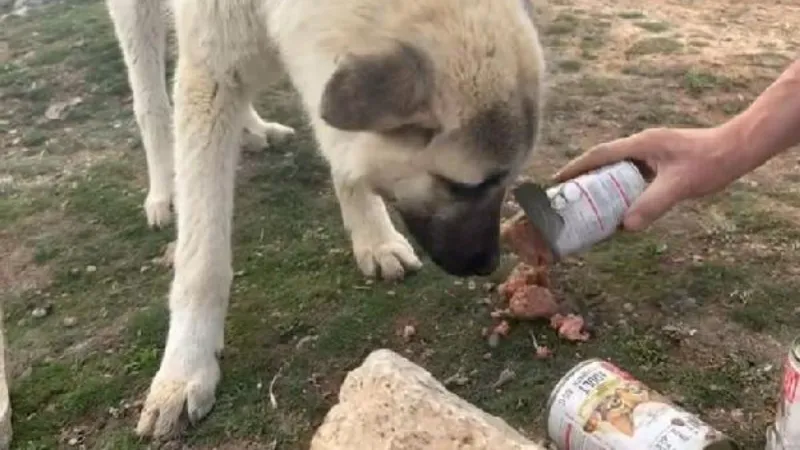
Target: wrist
x,y
727,151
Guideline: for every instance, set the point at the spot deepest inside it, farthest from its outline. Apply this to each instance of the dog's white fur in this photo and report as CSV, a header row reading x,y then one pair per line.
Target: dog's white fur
x,y
227,50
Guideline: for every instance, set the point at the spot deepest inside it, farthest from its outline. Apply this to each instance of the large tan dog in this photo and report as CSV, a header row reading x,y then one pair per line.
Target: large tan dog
x,y
431,106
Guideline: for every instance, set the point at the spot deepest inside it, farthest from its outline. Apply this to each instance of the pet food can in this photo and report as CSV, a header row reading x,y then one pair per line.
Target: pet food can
x,y
786,433
598,406
575,215
593,205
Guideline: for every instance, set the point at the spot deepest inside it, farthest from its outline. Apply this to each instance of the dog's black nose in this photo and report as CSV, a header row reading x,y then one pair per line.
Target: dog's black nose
x,y
481,263
484,263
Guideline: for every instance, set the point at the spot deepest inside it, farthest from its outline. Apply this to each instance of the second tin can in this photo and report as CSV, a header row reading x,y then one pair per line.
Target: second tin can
x,y
598,406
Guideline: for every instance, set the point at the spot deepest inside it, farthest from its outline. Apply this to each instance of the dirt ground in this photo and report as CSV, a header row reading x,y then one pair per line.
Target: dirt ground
x,y
701,307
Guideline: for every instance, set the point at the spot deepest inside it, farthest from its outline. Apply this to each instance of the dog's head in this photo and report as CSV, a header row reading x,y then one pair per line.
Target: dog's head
x,y
450,105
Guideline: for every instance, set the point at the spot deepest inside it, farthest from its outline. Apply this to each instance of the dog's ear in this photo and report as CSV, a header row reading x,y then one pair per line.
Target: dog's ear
x,y
378,91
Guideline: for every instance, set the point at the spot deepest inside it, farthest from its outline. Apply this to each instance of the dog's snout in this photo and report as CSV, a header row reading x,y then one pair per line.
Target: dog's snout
x,y
481,263
484,263
457,250
463,239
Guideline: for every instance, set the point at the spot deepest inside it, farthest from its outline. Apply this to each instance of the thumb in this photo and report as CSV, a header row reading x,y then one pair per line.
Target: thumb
x,y
654,202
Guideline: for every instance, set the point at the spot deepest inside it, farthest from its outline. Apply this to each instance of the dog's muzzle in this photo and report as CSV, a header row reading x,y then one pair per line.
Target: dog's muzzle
x,y
465,243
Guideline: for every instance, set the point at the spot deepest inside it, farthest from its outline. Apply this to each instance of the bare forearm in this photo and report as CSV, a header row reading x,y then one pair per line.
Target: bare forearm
x,y
769,126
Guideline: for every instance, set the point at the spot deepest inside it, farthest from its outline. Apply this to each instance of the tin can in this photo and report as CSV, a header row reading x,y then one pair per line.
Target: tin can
x,y
598,406
593,205
585,210
786,430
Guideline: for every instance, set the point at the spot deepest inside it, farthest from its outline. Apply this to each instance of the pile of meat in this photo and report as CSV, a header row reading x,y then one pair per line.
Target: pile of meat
x,y
526,292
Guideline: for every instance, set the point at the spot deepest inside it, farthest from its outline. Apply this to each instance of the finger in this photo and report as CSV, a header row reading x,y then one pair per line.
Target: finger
x,y
601,155
654,202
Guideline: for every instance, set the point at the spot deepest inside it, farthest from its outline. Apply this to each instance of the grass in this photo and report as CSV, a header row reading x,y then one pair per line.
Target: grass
x,y
74,235
653,26
654,46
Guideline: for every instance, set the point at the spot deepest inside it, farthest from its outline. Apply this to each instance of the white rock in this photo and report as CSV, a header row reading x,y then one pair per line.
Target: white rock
x,y
391,403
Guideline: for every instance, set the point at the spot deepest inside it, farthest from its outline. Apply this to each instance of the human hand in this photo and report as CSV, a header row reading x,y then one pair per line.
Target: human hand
x,y
682,164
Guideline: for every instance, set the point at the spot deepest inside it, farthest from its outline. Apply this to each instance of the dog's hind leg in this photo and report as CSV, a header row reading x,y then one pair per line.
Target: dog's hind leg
x,y
262,134
209,116
141,29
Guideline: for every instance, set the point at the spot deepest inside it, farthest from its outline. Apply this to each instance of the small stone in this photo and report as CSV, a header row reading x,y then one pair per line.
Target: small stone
x,y
737,415
70,321
471,285
73,441
91,269
408,332
628,307
40,312
58,110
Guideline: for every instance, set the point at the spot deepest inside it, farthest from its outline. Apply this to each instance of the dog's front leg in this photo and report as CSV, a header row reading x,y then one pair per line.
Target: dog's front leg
x,y
208,122
377,245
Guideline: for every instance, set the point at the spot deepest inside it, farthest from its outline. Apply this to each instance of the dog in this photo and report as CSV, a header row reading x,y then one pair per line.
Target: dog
x,y
431,107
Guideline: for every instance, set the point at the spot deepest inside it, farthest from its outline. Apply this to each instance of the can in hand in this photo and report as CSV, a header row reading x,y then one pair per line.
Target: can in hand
x,y
579,213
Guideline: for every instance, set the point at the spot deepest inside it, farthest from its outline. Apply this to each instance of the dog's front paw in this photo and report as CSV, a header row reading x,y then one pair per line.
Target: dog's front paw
x,y
392,256
187,379
157,207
